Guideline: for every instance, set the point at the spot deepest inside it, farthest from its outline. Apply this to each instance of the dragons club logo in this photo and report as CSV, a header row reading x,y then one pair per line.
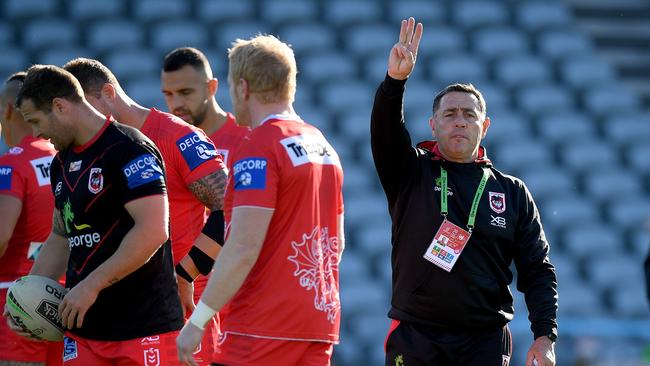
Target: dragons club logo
x,y
95,180
316,259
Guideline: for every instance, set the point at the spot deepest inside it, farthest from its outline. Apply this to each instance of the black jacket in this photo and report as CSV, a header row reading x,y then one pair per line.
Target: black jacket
x,y
475,293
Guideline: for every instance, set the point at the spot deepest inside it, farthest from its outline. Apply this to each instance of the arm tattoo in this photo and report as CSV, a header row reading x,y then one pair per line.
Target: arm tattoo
x,y
210,189
57,223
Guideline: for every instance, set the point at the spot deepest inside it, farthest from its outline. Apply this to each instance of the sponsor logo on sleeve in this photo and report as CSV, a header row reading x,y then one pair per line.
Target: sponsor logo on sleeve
x,y
196,149
497,202
42,170
303,149
5,177
142,170
95,180
69,349
16,150
250,174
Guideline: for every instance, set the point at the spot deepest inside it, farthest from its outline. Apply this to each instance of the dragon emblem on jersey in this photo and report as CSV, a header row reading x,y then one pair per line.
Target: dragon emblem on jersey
x,y
68,218
317,258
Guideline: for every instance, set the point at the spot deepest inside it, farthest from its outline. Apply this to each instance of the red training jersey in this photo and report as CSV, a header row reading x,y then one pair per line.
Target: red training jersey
x,y
188,155
228,138
292,291
25,174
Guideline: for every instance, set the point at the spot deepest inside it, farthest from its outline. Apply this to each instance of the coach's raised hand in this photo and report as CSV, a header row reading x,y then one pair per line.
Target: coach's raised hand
x,y
404,53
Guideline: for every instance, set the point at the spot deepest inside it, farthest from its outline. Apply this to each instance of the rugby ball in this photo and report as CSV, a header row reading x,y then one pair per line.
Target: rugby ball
x,y
33,304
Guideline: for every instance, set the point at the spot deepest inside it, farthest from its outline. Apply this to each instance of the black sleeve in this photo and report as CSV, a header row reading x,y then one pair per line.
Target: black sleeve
x,y
140,171
536,275
392,152
55,176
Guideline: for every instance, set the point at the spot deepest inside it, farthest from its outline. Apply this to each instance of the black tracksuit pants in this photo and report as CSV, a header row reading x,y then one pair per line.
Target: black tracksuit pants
x,y
410,344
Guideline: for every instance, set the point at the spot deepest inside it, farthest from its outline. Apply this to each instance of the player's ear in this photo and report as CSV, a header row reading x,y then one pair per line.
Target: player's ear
x,y
486,125
432,125
244,88
213,86
108,91
59,105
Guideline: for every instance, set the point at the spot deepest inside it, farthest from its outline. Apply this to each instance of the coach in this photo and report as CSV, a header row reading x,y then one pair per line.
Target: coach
x,y
457,225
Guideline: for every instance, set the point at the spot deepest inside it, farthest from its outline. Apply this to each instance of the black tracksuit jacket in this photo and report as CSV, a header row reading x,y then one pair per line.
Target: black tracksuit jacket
x,y
475,294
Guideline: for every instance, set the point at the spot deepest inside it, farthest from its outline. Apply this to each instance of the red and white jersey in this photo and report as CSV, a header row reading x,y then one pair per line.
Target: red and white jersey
x,y
25,174
292,292
188,155
228,138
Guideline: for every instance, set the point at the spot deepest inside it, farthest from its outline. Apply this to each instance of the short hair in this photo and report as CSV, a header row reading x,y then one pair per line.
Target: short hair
x,y
17,76
92,75
43,83
267,64
463,88
181,57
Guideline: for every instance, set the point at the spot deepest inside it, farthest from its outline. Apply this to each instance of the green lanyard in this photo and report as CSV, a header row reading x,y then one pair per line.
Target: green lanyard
x,y
477,196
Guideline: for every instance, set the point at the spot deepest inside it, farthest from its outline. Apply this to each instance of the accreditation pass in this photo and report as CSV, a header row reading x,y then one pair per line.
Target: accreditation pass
x,y
447,245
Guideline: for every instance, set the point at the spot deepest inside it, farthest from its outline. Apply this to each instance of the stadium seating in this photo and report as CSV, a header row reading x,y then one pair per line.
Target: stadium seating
x,y
560,119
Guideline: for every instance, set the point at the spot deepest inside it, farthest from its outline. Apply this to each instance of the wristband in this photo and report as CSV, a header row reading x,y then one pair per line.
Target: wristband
x,y
183,273
214,226
201,314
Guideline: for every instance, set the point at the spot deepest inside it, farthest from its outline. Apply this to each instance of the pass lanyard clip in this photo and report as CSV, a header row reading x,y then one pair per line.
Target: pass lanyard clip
x,y
444,210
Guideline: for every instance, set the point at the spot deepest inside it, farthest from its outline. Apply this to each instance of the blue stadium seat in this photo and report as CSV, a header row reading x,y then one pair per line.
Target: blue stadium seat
x,y
585,72
566,210
519,153
375,67
516,71
372,327
355,125
458,68
579,299
6,34
133,63
542,98
217,11
559,44
537,15
114,35
591,240
354,265
367,39
611,184
346,12
427,12
610,99
48,33
22,9
580,156
546,181
496,97
308,37
500,42
507,125
627,128
169,35
225,34
146,92
441,39
86,10
629,211
328,66
62,55
609,270
374,240
357,293
419,96
472,14
358,177
636,157
365,209
12,60
157,10
286,11
566,127
629,299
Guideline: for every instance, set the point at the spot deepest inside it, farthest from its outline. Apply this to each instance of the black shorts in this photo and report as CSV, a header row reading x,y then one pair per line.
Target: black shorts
x,y
411,344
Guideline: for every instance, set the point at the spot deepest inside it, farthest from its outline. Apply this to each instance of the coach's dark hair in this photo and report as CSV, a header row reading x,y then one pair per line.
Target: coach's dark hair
x,y
92,75
43,83
463,88
17,76
181,57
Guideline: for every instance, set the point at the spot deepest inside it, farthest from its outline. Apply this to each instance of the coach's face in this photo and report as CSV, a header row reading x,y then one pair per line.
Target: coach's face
x,y
45,124
459,125
187,93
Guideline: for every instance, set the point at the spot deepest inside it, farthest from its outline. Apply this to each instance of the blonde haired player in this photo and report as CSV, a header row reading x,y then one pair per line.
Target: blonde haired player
x,y
278,270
